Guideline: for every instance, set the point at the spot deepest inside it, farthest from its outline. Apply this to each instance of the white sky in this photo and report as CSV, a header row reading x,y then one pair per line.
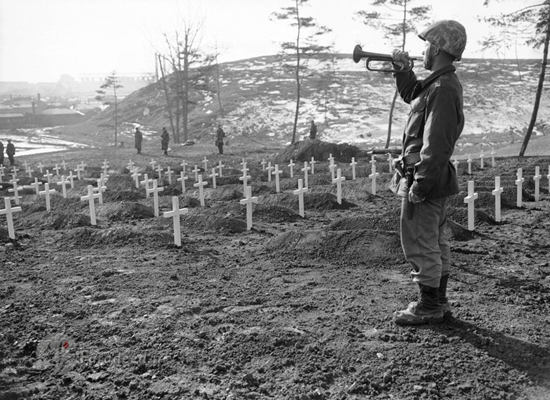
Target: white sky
x,y
42,39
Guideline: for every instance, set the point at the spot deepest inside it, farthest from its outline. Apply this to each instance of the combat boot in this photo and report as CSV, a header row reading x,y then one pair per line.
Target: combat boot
x,y
445,306
426,310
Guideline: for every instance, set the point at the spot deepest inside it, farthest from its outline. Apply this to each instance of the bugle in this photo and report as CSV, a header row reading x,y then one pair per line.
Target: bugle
x,y
359,54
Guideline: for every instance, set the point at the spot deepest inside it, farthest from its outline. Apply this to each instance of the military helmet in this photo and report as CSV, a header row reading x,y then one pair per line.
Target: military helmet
x,y
448,35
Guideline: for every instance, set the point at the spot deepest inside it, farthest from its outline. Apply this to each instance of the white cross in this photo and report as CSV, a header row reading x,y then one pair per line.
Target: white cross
x,y
220,167
29,172
332,168
493,157
56,169
205,162
8,212
105,163
47,191
48,176
35,185
200,184
330,159
64,165
196,172
90,197
243,163
155,190
105,170
339,179
481,160
15,190
277,172
519,183
373,176
182,179
269,169
159,172
304,170
548,177
175,215
470,201
63,184
263,164
130,165
353,164
169,173
390,162
25,164
248,200
40,167
14,170
291,166
136,175
300,192
100,188
78,170
536,178
183,164
145,182
497,192
213,176
153,163
71,179
469,164
312,163
82,165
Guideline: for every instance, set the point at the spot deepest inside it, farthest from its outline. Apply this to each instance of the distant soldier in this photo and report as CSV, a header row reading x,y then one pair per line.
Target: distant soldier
x,y
10,151
165,138
138,139
220,134
313,131
1,153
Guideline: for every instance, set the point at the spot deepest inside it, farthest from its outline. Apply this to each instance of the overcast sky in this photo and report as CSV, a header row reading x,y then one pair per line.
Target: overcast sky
x,y
42,39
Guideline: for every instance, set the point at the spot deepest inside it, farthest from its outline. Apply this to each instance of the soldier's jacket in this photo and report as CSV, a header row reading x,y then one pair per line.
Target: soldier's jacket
x,y
435,122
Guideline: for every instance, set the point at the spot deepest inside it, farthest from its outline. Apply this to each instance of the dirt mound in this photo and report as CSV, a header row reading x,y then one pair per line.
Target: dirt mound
x,y
116,236
123,211
124,195
274,214
57,202
120,183
388,221
206,222
304,150
52,220
484,201
312,201
229,180
227,194
361,245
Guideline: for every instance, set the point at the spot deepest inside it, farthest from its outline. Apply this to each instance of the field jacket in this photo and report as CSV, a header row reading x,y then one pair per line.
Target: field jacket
x,y
435,122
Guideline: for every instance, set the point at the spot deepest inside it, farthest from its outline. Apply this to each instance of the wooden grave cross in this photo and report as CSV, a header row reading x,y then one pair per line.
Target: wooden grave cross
x,y
196,172
390,162
470,201
183,165
15,189
469,164
243,163
373,162
145,182
47,191
300,192
155,190
548,177
373,176
245,177
536,178
175,215
263,164
519,183
100,188
136,175
248,200
481,160
14,170
82,165
353,164
29,172
25,164
71,179
220,168
332,168
339,179
182,179
213,176
205,162
41,167
304,170
78,170
200,184
105,163
153,163
497,193
63,183
277,172
56,169
169,174
493,157
36,186
8,212
130,165
291,166
159,172
91,198
64,165
312,163
269,170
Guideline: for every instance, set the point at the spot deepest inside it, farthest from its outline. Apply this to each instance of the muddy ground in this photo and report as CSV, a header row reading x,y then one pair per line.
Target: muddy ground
x,y
296,308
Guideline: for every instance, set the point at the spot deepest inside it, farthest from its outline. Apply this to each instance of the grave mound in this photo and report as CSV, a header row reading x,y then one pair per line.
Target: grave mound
x,y
227,194
57,202
274,214
116,236
209,222
388,221
304,150
170,190
361,245
123,210
124,195
484,201
229,180
52,220
119,183
313,201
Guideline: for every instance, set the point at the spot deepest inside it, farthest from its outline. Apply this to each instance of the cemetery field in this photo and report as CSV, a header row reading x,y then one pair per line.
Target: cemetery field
x,y
294,308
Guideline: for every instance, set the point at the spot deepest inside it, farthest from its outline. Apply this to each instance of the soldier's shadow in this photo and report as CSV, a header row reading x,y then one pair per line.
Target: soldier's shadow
x,y
532,359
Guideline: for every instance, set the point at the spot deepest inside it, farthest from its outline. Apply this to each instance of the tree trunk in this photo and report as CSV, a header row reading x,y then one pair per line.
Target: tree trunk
x,y
185,105
297,75
116,117
218,88
391,119
539,93
166,95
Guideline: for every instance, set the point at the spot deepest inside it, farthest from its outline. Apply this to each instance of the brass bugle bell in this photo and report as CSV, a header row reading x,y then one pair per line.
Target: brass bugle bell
x,y
359,54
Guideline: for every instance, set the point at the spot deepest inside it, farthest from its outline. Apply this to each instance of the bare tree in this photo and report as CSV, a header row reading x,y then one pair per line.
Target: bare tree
x,y
395,32
306,47
111,82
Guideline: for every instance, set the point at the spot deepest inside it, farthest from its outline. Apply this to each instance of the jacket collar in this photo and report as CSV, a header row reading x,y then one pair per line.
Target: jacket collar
x,y
434,75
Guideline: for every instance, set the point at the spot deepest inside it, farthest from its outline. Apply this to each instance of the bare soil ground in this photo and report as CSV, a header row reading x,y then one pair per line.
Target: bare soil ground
x,y
296,308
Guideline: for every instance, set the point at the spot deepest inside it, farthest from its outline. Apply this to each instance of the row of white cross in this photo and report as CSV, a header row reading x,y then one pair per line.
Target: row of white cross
x,y
248,200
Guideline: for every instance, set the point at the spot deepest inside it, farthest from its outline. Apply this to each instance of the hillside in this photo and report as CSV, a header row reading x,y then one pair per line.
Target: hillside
x,y
350,104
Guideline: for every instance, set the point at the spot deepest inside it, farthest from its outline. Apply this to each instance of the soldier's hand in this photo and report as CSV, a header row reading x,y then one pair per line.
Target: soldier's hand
x,y
401,58
415,199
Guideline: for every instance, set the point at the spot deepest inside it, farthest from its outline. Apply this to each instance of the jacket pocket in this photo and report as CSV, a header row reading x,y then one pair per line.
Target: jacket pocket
x,y
415,124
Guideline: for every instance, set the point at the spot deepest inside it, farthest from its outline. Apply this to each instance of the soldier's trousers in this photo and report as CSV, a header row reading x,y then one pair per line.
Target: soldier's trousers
x,y
424,242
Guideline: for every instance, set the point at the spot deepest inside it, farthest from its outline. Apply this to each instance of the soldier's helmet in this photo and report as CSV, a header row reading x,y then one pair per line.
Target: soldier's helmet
x,y
448,35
